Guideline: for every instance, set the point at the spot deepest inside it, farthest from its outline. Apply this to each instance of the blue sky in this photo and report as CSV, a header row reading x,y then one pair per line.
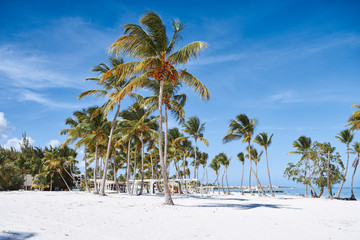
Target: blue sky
x,y
293,65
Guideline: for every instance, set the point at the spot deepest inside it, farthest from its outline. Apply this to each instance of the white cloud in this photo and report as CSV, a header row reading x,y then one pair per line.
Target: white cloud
x,y
26,95
4,126
34,71
54,143
16,143
283,96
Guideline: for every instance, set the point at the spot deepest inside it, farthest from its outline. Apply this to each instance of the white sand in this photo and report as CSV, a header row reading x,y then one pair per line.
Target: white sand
x,y
78,215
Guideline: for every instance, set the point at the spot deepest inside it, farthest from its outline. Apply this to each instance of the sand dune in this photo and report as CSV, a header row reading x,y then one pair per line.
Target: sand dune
x,y
78,215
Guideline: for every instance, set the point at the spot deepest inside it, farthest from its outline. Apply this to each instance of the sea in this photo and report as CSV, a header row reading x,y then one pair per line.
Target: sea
x,y
297,191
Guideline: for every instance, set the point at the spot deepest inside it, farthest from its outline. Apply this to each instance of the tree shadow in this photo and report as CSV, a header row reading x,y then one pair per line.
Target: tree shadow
x,y
10,235
242,206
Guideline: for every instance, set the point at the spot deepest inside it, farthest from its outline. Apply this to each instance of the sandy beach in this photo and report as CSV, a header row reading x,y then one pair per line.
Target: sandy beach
x,y
79,215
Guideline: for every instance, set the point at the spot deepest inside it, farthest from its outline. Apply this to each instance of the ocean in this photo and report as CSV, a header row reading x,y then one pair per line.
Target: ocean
x,y
296,191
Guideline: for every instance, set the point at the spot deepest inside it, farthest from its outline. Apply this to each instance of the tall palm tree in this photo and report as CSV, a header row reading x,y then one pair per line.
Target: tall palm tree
x,y
243,128
113,85
303,145
345,136
241,158
263,140
157,59
355,150
195,129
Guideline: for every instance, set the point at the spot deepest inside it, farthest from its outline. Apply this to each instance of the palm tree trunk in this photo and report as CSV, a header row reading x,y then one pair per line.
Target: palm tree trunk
x,y
250,170
108,150
227,183
168,199
51,182
242,177
128,168
222,182
306,185
195,169
328,176
343,181
134,174
86,180
257,185
352,179
142,164
64,181
267,164
96,167
152,166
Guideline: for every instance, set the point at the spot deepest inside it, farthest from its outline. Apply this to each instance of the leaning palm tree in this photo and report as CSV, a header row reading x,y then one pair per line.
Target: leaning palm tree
x,y
243,128
263,140
345,136
113,85
241,158
195,129
157,59
302,146
355,150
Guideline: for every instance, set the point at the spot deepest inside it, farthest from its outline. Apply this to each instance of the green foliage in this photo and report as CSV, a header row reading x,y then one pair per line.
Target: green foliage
x,y
318,155
10,174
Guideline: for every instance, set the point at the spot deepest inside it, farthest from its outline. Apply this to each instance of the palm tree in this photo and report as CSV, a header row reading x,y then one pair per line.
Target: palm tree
x,y
303,145
241,158
345,136
225,161
243,128
255,156
203,161
215,165
356,150
113,85
263,140
195,129
149,44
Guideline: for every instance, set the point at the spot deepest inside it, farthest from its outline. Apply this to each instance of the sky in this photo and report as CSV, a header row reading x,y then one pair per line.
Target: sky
x,y
292,65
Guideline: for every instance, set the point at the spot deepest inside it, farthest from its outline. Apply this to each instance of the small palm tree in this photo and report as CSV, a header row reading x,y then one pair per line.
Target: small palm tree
x,y
243,128
263,140
215,165
303,145
345,136
225,161
195,129
241,158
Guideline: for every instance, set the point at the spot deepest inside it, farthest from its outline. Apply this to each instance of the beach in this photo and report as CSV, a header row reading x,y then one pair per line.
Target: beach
x,y
80,215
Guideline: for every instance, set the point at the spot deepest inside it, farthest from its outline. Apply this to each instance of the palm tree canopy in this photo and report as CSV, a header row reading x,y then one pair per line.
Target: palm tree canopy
x,y
354,120
345,136
241,157
241,128
194,128
263,140
149,44
302,145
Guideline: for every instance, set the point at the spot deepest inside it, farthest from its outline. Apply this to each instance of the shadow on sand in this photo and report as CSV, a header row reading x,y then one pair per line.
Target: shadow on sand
x,y
10,235
244,206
